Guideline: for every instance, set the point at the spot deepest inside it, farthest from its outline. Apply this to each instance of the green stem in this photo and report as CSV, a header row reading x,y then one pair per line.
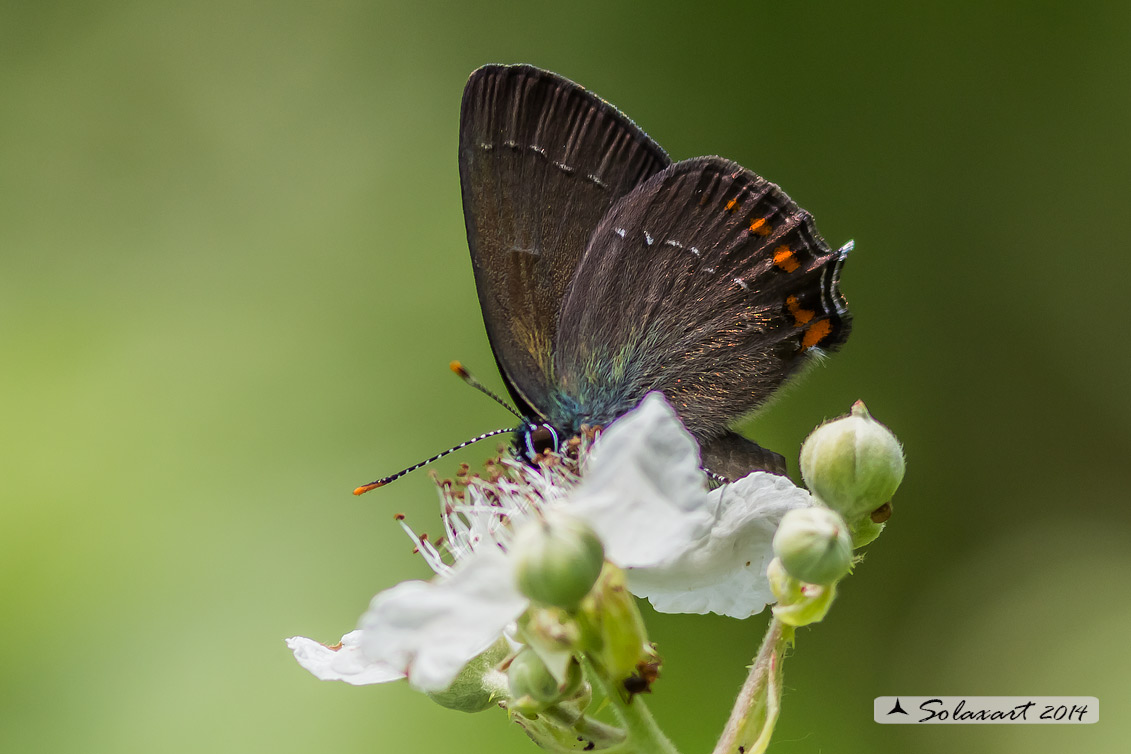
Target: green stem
x,y
603,736
643,735
756,710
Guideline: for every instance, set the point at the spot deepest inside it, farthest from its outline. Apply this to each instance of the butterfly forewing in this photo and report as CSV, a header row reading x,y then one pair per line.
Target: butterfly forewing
x,y
706,282
541,161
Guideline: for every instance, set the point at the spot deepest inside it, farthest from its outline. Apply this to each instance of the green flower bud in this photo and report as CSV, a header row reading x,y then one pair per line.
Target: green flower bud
x,y
558,559
813,545
480,685
853,464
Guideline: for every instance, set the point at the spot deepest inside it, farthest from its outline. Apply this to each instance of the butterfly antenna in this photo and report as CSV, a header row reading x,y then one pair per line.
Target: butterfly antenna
x,y
393,477
465,375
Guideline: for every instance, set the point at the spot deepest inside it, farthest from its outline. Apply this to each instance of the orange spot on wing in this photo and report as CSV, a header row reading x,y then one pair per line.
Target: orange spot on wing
x,y
784,258
801,316
817,332
761,227
732,204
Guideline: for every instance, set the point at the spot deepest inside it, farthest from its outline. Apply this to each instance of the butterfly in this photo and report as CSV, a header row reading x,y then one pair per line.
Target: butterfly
x,y
605,271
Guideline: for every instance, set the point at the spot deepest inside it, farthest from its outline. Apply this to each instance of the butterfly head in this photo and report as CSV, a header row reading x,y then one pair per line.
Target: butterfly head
x,y
532,439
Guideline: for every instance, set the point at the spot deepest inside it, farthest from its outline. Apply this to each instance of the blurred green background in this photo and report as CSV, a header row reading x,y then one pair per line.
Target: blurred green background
x,y
233,271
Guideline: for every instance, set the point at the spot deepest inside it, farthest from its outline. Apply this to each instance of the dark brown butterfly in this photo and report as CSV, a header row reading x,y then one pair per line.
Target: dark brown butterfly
x,y
605,271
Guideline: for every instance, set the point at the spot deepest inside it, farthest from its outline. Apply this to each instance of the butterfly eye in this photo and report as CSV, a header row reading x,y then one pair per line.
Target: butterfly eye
x,y
540,438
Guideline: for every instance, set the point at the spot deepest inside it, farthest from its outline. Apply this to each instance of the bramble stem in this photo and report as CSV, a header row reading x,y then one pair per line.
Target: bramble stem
x,y
756,710
643,735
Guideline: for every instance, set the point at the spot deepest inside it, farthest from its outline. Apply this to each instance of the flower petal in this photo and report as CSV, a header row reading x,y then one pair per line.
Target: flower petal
x,y
345,663
643,491
431,629
725,571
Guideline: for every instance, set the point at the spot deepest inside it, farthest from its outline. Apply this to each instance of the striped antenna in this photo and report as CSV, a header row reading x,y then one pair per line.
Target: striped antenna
x,y
465,375
393,477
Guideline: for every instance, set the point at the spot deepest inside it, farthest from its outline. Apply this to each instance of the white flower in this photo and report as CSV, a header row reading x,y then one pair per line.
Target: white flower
x,y
642,492
685,549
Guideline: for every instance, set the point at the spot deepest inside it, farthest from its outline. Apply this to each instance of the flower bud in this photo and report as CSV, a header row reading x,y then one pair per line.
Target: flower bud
x,y
557,560
813,545
479,686
853,464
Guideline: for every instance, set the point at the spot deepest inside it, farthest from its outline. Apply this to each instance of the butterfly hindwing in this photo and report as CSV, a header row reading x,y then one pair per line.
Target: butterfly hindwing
x,y
706,282
732,456
541,161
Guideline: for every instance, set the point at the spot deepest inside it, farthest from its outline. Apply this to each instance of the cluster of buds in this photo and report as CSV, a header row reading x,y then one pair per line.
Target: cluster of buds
x,y
580,606
852,466
580,610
